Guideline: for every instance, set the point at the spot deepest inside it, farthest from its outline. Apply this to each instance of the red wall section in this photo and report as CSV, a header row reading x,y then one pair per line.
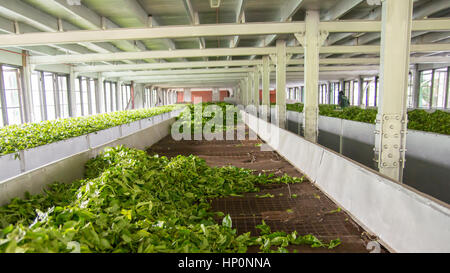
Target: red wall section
x,y
224,94
180,97
205,96
273,97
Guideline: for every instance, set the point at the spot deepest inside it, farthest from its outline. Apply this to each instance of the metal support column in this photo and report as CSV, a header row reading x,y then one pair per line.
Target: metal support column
x,y
100,94
311,40
281,84
119,95
72,93
266,87
187,95
215,95
26,91
416,86
392,116
360,90
256,89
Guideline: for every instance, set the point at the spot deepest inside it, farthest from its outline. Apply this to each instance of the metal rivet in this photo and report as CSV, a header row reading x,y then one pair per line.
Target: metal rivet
x,y
390,155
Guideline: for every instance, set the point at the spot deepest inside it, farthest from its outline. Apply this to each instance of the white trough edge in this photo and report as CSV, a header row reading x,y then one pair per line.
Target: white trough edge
x,y
428,146
404,219
30,159
71,168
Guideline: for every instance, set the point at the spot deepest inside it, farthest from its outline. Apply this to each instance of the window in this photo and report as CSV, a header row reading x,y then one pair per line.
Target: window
x,y
425,88
439,88
113,97
369,95
12,95
49,93
63,92
126,95
92,85
107,94
84,96
36,98
448,88
78,103
356,92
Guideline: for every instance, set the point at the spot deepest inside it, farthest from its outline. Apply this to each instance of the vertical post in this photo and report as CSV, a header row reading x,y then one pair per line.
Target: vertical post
x,y
215,94
26,87
3,98
132,94
281,84
430,102
187,95
100,94
246,91
392,116
256,89
241,92
375,91
56,95
447,88
119,95
360,91
72,92
351,92
312,41
266,87
329,92
416,86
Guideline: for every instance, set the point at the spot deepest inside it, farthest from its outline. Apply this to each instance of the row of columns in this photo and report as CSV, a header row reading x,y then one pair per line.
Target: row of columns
x,y
392,116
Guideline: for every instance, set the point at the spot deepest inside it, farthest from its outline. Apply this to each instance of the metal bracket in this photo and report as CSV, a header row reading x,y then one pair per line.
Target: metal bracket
x,y
300,38
288,57
273,58
323,35
311,114
391,149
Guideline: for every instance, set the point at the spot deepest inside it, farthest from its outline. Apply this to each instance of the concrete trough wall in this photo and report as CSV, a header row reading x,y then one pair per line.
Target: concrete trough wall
x,y
30,159
404,219
71,168
427,157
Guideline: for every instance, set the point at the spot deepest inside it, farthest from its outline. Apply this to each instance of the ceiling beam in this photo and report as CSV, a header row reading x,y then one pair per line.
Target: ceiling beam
x,y
418,25
284,14
171,65
240,51
177,72
339,9
88,19
112,71
22,12
203,31
193,20
186,77
156,54
190,80
239,18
